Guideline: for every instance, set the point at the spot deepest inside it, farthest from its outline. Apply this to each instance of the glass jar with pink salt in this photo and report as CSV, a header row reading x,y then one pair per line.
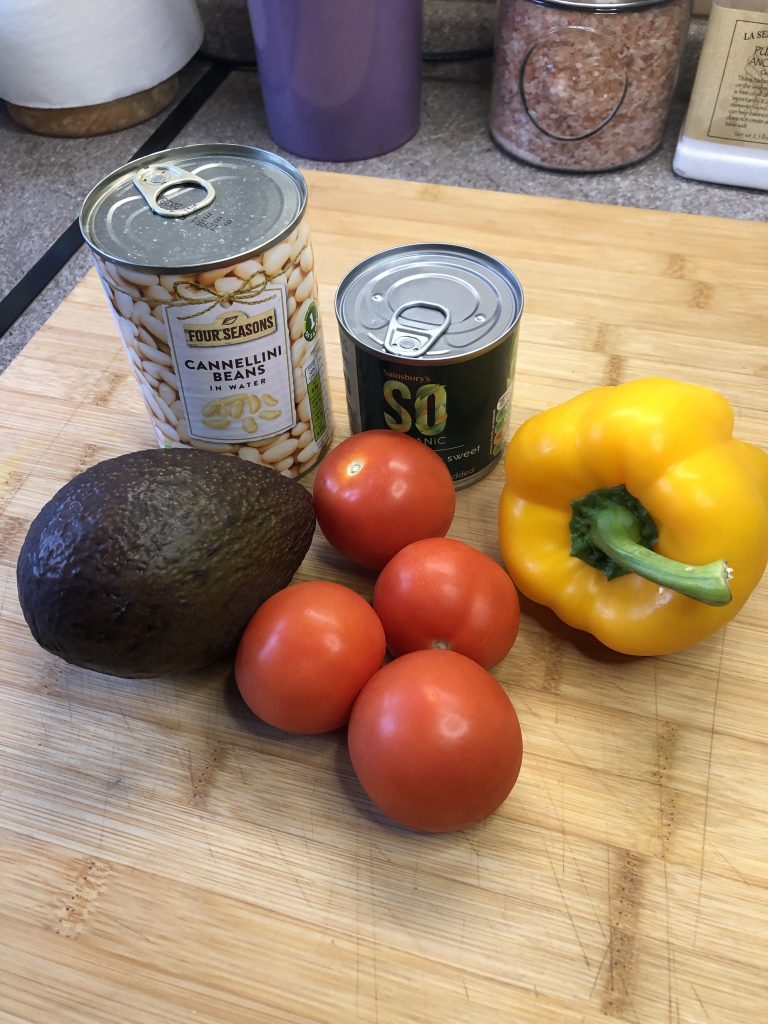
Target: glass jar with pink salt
x,y
585,86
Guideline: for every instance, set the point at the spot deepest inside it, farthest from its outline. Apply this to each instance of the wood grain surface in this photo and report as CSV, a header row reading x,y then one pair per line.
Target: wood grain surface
x,y
164,857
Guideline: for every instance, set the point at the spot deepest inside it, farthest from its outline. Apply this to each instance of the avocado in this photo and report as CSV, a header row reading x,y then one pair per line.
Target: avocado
x,y
154,562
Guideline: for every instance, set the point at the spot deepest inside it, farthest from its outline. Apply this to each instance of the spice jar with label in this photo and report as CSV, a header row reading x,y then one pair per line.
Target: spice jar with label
x,y
724,137
585,86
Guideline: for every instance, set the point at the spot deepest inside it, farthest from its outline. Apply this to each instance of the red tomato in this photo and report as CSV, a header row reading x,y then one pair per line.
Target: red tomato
x,y
380,490
435,741
306,654
445,595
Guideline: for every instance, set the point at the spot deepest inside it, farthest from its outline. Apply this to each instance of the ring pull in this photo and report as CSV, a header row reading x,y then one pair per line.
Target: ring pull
x,y
157,179
414,339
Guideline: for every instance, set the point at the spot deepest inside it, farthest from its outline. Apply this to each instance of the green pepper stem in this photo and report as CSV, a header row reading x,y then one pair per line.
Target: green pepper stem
x,y
614,530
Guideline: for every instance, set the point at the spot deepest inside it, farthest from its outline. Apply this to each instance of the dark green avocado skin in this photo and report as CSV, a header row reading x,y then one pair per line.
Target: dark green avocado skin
x,y
154,562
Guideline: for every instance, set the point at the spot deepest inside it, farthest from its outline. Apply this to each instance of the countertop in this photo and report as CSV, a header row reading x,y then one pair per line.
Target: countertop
x,y
44,180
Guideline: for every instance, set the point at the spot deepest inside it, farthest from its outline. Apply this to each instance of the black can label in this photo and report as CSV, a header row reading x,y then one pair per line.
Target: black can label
x,y
460,410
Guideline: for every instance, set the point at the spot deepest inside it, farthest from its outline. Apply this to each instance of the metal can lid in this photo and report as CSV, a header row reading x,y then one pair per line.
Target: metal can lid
x,y
193,208
435,302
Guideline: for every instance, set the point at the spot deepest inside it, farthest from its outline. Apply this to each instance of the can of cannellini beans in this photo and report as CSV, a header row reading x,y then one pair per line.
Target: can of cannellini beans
x,y
205,255
429,339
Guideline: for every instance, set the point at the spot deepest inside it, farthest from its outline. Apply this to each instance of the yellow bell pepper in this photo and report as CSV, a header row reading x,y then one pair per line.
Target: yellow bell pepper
x,y
634,514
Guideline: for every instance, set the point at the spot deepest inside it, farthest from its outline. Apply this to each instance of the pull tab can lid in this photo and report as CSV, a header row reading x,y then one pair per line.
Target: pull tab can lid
x,y
429,302
154,181
193,208
412,337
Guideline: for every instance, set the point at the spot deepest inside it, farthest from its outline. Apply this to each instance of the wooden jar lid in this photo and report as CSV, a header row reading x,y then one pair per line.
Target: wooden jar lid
x,y
100,118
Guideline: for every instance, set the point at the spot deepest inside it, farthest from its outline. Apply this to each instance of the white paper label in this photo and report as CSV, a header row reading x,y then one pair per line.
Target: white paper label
x,y
729,101
234,368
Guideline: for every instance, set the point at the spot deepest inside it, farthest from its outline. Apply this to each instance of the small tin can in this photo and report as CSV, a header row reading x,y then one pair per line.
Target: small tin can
x,y
429,339
205,255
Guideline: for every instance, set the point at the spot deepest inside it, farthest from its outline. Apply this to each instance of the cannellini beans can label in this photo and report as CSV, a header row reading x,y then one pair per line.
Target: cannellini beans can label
x,y
205,255
429,339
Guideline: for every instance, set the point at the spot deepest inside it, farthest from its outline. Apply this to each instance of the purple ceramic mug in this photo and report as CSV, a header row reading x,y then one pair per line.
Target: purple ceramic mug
x,y
341,79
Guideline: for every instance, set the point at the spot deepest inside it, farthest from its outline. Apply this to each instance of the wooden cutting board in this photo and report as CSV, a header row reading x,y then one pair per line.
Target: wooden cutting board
x,y
164,857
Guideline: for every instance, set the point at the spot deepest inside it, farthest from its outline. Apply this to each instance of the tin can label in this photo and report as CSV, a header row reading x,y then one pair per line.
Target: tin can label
x,y
244,373
460,410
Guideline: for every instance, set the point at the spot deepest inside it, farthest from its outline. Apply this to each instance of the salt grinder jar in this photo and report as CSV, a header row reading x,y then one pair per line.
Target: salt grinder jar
x,y
585,86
